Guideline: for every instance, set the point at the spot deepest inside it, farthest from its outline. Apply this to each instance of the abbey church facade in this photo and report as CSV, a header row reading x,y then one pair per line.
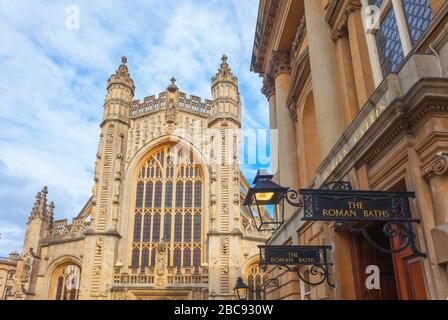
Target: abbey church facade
x,y
165,219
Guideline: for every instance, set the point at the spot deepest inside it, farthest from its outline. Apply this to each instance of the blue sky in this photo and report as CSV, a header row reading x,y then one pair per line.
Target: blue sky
x,y
53,83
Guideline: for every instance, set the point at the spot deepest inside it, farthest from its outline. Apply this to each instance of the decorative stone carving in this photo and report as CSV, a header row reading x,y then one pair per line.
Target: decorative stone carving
x,y
438,167
298,39
280,63
171,111
268,86
341,29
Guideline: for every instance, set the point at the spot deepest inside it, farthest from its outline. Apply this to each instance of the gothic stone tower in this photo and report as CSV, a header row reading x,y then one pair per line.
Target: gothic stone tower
x,y
165,219
225,232
102,239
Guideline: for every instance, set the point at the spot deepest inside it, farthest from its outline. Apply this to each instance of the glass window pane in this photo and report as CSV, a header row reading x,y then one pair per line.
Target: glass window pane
x,y
179,194
188,195
197,257
145,259
147,228
178,228
169,195
139,195
135,258
187,258
156,228
167,228
418,17
198,195
158,195
148,195
389,45
197,228
137,227
177,257
187,228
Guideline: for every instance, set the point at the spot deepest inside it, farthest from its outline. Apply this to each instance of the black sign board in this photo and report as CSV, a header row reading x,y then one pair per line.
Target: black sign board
x,y
329,205
293,255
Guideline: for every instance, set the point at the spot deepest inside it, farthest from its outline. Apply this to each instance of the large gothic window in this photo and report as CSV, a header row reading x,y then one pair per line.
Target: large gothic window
x,y
168,208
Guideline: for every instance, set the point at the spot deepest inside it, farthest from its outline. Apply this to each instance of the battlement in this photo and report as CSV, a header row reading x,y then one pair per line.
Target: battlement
x,y
152,104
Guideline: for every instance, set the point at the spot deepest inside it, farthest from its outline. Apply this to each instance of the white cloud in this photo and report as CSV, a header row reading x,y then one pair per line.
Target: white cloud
x,y
53,82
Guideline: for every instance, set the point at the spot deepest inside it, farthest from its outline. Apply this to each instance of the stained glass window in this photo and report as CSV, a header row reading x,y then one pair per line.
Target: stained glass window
x,y
389,43
418,17
166,193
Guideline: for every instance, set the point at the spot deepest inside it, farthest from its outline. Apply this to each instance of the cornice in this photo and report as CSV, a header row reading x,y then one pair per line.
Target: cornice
x,y
263,31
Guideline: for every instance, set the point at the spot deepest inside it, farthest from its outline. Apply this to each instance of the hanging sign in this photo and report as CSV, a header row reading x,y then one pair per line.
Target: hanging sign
x,y
330,205
293,255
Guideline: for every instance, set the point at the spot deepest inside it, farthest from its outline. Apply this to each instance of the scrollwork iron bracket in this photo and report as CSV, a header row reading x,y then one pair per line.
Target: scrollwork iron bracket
x,y
402,230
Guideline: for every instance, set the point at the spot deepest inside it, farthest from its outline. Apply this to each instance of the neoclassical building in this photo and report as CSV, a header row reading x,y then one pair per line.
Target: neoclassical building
x,y
165,219
358,91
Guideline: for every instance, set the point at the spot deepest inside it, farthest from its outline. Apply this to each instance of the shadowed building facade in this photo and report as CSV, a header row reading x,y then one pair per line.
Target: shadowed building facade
x,y
358,91
165,219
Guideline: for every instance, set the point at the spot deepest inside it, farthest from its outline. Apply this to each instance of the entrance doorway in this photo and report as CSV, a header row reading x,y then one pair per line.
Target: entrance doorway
x,y
401,274
366,255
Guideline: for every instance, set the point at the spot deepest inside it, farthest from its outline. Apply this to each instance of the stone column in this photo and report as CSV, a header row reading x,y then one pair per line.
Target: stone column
x,y
323,61
269,91
280,71
360,54
346,75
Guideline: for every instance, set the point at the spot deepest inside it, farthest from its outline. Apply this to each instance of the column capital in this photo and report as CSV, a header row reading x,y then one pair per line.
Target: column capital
x,y
280,63
341,26
438,167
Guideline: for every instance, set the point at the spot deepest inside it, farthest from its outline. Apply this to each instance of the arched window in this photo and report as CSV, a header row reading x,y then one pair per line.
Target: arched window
x,y
65,281
255,278
168,208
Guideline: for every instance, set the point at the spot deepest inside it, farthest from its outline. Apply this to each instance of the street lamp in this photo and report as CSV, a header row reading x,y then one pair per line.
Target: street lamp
x,y
240,289
266,193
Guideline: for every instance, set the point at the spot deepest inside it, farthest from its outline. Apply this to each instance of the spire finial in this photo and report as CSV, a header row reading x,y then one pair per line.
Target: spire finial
x,y
124,60
172,87
224,58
